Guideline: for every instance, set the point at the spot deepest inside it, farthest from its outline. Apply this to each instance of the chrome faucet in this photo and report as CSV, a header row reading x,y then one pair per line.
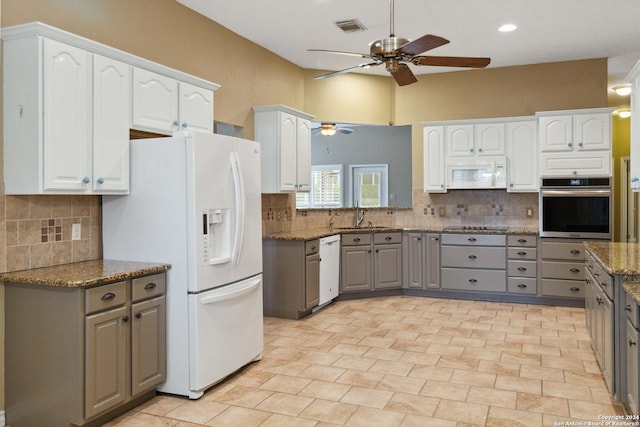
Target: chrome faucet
x,y
358,215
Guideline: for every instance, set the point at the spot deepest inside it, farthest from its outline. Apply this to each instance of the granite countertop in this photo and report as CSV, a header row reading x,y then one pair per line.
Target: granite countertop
x,y
620,258
84,274
317,233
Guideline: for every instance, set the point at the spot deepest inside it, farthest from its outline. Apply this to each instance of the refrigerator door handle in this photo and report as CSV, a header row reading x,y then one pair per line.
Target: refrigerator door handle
x,y
235,293
238,184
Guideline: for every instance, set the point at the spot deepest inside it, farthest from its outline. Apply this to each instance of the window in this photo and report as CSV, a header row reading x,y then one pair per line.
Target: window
x,y
326,188
370,185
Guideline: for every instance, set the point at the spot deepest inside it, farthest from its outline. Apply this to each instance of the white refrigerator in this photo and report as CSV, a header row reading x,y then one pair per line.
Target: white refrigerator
x,y
195,203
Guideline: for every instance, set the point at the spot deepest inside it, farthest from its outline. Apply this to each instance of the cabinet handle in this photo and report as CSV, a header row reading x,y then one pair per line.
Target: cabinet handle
x,y
369,251
86,180
313,248
436,239
574,289
100,180
480,150
472,239
377,250
628,308
184,125
631,342
588,281
108,296
522,240
579,144
357,239
570,144
472,257
149,286
471,150
473,281
511,185
138,315
598,300
125,319
388,238
574,270
574,251
175,123
522,269
596,274
522,285
522,253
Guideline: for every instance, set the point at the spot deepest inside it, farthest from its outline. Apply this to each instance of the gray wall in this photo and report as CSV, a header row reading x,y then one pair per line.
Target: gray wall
x,y
370,145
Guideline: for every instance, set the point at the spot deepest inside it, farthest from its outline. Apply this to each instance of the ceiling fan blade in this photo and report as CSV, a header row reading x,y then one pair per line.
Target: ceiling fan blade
x,y
451,61
403,75
423,44
345,131
338,52
346,70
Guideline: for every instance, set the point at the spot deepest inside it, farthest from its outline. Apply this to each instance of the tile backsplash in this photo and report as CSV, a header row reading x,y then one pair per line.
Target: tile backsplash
x,y
456,207
36,231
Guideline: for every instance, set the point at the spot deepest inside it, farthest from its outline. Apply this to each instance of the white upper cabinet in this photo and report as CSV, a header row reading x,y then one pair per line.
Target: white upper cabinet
x,y
164,105
522,155
475,139
634,79
489,139
285,138
575,142
460,140
434,159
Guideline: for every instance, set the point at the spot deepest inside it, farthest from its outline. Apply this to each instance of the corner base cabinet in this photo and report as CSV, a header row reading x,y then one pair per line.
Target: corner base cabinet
x,y
91,353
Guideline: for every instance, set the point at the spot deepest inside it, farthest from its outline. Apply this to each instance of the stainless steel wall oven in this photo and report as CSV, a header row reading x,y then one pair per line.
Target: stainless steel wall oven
x,y
578,208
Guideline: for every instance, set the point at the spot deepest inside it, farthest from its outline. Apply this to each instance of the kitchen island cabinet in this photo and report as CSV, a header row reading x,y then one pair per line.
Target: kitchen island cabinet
x,y
632,352
291,277
562,266
98,331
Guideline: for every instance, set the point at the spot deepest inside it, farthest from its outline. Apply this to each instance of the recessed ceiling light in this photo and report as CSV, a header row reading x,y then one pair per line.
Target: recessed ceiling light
x,y
505,28
622,90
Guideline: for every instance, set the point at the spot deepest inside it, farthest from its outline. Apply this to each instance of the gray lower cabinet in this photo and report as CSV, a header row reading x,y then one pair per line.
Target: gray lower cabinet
x,y
371,261
422,260
632,355
90,352
291,277
474,262
522,270
562,268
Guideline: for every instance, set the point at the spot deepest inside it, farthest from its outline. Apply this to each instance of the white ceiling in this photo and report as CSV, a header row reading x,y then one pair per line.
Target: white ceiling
x,y
548,30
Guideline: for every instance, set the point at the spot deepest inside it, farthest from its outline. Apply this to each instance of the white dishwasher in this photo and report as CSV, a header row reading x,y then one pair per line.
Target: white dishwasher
x,y
329,269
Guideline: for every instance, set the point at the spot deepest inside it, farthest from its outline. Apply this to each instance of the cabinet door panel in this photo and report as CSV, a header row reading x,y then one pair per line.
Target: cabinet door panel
x,y
489,139
106,360
432,261
111,123
303,151
556,133
195,108
415,261
67,120
522,154
388,266
288,146
632,357
155,102
434,159
148,337
312,281
460,140
592,131
355,265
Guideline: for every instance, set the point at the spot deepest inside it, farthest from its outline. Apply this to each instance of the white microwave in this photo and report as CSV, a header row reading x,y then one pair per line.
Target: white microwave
x,y
477,172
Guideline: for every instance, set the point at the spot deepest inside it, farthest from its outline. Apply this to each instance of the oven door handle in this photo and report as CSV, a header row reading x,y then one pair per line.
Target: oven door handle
x,y
576,193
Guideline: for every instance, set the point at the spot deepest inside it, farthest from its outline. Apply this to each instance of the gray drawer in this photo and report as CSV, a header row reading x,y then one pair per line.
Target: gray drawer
x,y
473,257
517,285
392,237
563,288
148,287
563,250
522,253
604,279
311,247
521,268
563,270
105,297
631,309
590,263
463,279
474,239
356,239
530,241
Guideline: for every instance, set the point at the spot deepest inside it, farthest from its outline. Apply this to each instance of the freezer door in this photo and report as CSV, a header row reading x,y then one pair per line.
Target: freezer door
x,y
225,332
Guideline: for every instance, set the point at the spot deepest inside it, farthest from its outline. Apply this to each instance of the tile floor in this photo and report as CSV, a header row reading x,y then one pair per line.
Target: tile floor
x,y
407,361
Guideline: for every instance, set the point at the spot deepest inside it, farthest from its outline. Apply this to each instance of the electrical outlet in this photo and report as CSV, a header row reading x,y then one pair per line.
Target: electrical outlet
x,y
442,211
76,230
529,212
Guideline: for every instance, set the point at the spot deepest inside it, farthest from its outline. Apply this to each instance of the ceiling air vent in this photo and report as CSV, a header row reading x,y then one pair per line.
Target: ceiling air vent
x,y
350,25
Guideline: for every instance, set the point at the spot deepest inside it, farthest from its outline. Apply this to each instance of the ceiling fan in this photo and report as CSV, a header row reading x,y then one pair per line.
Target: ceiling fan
x,y
330,129
396,52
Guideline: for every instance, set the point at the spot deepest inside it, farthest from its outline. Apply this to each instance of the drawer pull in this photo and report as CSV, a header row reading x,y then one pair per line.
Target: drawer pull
x,y
574,289
522,253
149,286
522,240
628,308
596,274
357,239
574,270
631,343
522,285
522,268
108,296
599,300
473,280
472,257
574,251
313,247
389,238
472,239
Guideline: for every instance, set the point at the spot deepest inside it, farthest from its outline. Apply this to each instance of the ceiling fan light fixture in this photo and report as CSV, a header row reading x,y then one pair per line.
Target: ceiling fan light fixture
x,y
507,28
622,90
328,129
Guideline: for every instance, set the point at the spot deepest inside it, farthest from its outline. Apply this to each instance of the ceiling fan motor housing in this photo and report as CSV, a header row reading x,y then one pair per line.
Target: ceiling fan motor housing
x,y
387,47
